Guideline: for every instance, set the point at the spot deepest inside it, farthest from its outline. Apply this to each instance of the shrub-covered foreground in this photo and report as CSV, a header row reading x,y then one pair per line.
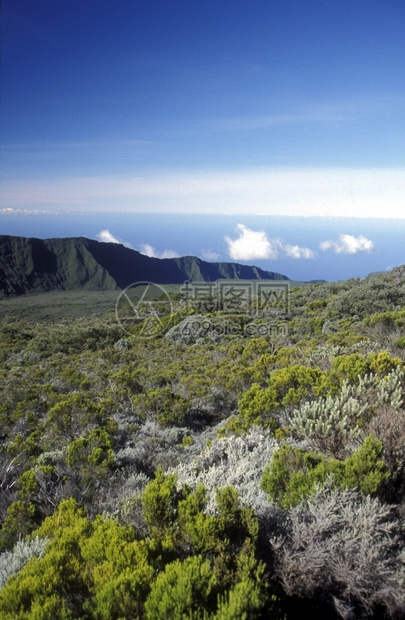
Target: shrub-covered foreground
x,y
189,564
219,476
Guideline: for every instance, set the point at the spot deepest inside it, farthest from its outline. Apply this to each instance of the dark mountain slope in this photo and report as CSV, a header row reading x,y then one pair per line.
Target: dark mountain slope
x,y
30,265
36,265
123,263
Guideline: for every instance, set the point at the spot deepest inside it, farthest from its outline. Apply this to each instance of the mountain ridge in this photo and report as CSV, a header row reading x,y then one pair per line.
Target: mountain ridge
x,y
32,265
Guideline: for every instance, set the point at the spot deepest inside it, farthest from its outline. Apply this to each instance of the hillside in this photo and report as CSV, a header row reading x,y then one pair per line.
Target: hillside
x,y
242,462
29,265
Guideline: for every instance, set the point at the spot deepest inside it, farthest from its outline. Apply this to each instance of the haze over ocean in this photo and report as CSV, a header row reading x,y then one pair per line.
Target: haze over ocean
x,y
263,132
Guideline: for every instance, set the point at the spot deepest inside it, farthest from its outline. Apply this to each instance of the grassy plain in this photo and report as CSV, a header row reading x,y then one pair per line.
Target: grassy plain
x,y
73,304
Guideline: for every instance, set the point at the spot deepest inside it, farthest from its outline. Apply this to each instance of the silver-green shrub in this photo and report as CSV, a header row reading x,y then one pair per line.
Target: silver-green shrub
x,y
344,549
391,389
236,461
328,424
334,424
11,562
322,356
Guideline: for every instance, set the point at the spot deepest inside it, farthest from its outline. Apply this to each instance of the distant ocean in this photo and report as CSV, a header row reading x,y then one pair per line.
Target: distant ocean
x,y
200,235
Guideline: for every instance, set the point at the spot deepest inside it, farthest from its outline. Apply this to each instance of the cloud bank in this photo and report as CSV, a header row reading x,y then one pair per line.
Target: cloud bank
x,y
334,192
255,245
348,244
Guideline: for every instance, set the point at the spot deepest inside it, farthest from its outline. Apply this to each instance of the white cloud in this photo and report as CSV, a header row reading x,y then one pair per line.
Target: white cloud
x,y
169,254
295,251
210,255
150,251
10,211
256,245
106,237
251,245
348,244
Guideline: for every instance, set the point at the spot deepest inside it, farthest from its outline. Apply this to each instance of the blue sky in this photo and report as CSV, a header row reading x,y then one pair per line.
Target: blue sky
x,y
259,107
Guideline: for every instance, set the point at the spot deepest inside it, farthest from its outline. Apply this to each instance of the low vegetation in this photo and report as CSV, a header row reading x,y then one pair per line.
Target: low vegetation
x,y
238,464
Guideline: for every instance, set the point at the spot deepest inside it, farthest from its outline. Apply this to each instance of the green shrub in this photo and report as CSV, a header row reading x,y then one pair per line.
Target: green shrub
x,y
286,386
400,342
159,506
90,569
350,367
21,519
92,452
182,591
382,363
295,474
